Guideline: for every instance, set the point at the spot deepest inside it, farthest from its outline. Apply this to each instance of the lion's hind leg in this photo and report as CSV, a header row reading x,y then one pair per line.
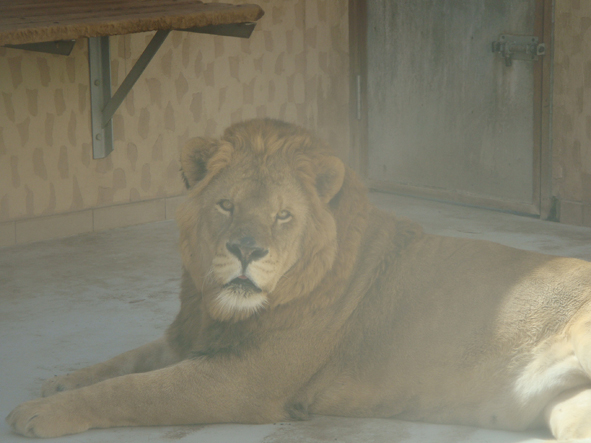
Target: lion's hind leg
x,y
569,415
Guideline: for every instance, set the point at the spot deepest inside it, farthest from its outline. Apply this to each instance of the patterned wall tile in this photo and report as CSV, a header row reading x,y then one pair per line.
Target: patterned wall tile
x,y
294,67
41,124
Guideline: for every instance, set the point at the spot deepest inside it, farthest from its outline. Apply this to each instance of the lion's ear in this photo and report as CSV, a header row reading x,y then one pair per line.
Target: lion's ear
x,y
331,173
194,157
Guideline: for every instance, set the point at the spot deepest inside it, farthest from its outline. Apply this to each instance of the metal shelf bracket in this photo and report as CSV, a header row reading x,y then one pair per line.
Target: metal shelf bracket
x,y
102,104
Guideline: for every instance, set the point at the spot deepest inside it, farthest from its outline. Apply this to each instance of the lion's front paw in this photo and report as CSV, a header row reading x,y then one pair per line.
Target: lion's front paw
x,y
46,418
60,383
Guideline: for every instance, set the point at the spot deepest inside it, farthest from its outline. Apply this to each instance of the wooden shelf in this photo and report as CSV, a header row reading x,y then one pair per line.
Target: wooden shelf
x,y
34,21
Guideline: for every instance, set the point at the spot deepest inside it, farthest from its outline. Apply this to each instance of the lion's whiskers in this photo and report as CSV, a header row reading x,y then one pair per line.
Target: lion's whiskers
x,y
207,277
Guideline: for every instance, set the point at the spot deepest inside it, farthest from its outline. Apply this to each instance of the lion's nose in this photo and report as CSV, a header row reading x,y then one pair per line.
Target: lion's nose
x,y
246,250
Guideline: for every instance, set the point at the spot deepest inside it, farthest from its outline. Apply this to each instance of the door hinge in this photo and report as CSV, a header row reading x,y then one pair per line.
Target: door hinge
x,y
518,47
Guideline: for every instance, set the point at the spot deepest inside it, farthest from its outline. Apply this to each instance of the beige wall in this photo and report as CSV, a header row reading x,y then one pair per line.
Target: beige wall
x,y
571,140
294,67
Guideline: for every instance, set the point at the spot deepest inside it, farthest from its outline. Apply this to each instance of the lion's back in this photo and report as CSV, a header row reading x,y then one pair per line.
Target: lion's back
x,y
458,321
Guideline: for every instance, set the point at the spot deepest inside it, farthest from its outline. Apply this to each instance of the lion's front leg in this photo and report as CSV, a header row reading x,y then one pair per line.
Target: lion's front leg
x,y
193,391
154,355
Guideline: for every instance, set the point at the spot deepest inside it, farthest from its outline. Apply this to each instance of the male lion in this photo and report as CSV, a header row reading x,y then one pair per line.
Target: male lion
x,y
298,297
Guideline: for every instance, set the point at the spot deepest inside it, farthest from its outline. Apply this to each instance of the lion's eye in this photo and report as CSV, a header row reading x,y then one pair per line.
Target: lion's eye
x,y
226,205
283,215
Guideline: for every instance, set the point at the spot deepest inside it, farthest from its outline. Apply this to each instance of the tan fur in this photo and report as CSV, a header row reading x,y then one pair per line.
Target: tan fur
x,y
299,297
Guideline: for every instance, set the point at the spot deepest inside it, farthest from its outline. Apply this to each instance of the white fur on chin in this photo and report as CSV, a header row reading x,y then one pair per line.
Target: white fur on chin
x,y
240,301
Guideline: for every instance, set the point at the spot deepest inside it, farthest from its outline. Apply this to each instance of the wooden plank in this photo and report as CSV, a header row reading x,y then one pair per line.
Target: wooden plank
x,y
32,21
446,116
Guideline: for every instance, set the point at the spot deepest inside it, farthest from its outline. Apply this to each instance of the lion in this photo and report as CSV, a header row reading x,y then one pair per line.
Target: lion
x,y
299,297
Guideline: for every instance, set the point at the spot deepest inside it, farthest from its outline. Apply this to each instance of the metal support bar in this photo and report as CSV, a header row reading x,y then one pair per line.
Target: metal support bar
x,y
241,30
99,63
133,75
102,105
60,47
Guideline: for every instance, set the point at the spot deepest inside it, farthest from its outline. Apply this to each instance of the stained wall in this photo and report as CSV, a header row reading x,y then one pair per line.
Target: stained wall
x,y
294,67
571,129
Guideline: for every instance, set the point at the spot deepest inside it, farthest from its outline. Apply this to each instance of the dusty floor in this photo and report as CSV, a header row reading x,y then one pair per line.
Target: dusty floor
x,y
68,303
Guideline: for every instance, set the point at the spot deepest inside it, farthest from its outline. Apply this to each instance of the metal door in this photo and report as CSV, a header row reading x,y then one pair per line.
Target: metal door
x,y
447,117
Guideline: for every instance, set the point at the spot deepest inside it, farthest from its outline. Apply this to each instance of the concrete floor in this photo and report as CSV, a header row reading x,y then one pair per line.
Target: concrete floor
x,y
69,303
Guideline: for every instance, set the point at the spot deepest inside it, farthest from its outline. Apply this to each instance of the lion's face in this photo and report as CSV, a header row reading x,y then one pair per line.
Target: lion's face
x,y
257,221
250,225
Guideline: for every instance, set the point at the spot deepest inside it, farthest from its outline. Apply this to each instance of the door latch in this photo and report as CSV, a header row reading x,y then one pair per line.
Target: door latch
x,y
518,47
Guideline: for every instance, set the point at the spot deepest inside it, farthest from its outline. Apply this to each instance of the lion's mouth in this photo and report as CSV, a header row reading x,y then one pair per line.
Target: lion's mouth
x,y
244,283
